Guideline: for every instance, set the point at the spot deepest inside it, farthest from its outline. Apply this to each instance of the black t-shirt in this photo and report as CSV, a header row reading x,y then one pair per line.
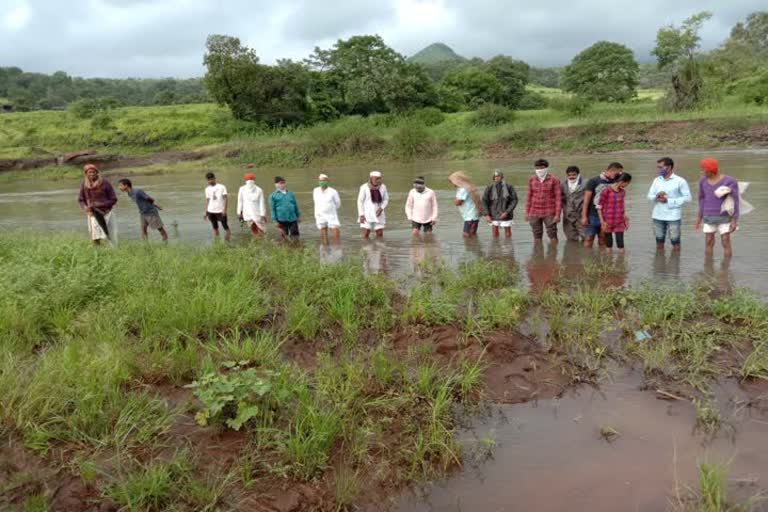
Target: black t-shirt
x,y
596,185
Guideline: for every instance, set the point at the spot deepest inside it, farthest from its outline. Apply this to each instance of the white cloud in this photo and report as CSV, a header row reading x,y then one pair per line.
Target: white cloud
x,y
17,17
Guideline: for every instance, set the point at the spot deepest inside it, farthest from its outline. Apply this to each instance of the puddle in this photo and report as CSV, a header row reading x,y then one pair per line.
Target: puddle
x,y
550,456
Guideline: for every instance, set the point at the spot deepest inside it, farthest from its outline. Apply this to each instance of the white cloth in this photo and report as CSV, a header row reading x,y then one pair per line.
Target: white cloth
x,y
677,192
573,184
367,208
215,195
95,231
729,205
250,203
542,173
502,223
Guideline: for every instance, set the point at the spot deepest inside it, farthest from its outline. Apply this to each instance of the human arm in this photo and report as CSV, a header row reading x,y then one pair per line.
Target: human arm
x,y
384,200
434,207
111,197
205,208
685,196
512,202
272,207
262,210
82,200
409,206
736,200
240,201
487,204
529,198
361,204
295,206
226,202
701,205
336,200
585,205
653,191
558,200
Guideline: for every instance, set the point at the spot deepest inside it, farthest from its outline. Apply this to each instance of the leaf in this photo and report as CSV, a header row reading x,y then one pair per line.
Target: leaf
x,y
244,413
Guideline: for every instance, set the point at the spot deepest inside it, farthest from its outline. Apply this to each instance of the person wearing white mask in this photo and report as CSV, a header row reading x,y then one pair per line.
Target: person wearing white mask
x,y
250,205
327,204
371,203
573,200
543,202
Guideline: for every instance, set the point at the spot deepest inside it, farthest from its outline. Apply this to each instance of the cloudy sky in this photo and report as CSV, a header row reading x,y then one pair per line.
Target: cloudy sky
x,y
158,38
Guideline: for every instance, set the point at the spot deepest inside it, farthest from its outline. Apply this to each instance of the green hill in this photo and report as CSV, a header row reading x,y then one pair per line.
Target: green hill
x,y
434,53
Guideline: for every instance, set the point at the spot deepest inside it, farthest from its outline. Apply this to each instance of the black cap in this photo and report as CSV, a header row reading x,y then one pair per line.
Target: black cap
x,y
278,179
419,180
210,176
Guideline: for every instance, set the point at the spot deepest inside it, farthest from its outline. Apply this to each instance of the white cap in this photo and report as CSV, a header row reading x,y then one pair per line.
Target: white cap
x,y
323,177
375,174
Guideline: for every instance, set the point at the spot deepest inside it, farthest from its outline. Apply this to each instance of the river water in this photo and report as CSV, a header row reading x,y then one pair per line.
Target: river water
x,y
52,205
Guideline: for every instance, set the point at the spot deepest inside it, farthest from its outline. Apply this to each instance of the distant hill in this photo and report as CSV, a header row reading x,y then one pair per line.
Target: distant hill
x,y
435,53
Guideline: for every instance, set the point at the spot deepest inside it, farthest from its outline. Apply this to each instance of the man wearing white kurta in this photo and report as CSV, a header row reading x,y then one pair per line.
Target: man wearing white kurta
x,y
250,205
327,204
371,203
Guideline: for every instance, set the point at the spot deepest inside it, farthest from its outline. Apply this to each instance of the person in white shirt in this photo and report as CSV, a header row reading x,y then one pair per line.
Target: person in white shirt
x,y
216,206
250,205
421,207
327,204
371,203
669,192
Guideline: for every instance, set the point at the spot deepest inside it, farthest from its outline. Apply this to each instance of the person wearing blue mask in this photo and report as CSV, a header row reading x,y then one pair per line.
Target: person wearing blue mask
x,y
668,192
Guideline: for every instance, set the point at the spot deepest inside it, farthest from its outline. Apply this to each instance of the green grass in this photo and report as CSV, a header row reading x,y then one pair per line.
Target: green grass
x,y
92,339
141,130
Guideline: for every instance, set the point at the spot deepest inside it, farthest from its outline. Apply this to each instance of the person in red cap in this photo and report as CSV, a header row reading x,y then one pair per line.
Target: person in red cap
x,y
250,205
718,206
97,198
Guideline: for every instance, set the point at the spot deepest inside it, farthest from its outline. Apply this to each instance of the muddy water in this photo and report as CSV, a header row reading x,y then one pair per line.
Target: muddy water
x,y
52,205
550,456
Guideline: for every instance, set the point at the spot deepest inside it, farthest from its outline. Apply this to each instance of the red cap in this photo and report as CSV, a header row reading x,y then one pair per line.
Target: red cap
x,y
88,167
710,165
249,176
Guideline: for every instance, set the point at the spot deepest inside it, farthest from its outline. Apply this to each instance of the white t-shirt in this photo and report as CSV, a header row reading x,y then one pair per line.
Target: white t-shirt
x,y
215,195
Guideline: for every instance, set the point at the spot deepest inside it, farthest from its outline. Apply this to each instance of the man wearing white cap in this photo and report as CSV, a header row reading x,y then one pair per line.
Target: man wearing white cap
x,y
371,203
327,204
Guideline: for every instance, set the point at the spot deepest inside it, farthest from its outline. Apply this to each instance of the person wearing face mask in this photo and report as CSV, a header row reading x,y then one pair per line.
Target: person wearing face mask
x,y
572,192
543,202
668,192
499,202
372,201
421,207
327,204
285,210
250,205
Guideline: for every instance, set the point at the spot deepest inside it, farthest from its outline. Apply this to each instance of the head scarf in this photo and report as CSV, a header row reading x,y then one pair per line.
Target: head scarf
x,y
710,165
87,182
461,180
249,176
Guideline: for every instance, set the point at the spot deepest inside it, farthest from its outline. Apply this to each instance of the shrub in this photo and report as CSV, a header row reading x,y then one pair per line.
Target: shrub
x,y
490,114
532,101
577,106
410,139
102,121
428,116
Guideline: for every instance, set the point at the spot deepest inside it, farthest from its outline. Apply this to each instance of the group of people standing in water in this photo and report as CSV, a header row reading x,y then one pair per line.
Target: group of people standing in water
x,y
588,209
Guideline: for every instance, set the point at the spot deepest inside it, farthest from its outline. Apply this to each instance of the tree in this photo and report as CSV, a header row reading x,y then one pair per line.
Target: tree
x,y
471,86
512,76
677,49
364,76
605,71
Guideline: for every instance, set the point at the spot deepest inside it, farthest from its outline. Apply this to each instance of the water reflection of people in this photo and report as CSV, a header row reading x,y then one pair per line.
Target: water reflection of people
x,y
374,257
722,278
666,266
500,249
425,254
542,268
572,262
330,254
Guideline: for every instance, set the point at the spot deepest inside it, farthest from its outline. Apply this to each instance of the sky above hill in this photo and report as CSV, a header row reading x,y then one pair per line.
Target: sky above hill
x,y
159,38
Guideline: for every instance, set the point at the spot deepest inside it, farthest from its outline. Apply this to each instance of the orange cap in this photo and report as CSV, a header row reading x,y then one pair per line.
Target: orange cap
x,y
710,165
249,176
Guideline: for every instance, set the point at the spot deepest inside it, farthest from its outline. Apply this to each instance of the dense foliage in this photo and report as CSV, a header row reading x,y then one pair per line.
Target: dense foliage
x,y
605,71
34,91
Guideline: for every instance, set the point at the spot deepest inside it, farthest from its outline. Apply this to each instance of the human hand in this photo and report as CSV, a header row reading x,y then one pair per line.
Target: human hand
x,y
557,219
488,219
362,219
734,225
379,211
697,227
503,216
584,220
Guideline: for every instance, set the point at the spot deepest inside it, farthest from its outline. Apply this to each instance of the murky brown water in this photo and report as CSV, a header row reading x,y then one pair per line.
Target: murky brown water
x,y
550,456
52,205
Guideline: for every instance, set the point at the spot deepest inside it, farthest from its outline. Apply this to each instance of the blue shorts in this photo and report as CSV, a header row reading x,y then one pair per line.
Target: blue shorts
x,y
593,225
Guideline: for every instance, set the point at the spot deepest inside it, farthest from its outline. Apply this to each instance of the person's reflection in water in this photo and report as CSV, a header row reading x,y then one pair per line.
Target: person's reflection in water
x,y
542,268
721,279
330,254
472,248
664,266
425,254
500,249
374,257
572,263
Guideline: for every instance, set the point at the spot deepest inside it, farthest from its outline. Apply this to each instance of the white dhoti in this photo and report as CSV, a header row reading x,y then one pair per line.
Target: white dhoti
x,y
97,233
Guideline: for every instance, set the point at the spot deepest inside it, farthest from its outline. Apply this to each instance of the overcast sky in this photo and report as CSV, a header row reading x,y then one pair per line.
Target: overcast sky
x,y
159,38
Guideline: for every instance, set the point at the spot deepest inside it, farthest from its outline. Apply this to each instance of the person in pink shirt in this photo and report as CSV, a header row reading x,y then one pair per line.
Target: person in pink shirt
x,y
421,207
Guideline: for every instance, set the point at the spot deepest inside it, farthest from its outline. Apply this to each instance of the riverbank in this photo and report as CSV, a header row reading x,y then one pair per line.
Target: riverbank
x,y
163,135
255,377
